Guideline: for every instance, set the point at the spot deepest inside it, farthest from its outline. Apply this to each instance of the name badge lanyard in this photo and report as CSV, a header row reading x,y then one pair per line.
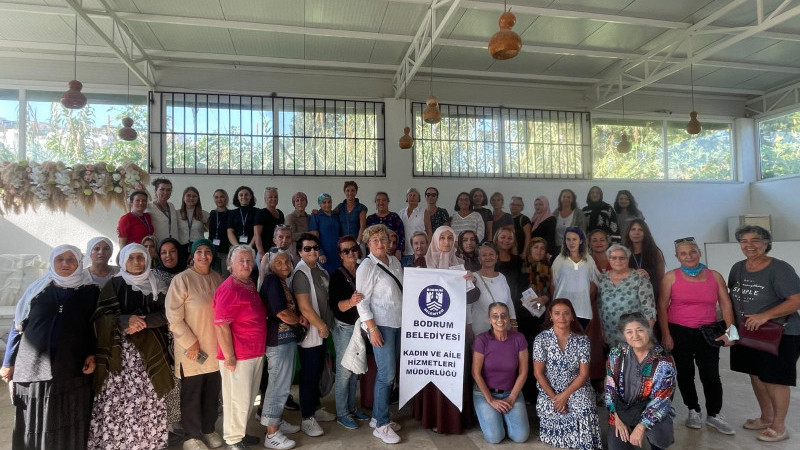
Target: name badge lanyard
x,y
189,222
146,224
244,221
216,241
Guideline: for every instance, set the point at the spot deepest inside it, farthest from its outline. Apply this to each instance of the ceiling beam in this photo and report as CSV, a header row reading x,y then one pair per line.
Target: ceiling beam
x,y
657,64
421,46
121,42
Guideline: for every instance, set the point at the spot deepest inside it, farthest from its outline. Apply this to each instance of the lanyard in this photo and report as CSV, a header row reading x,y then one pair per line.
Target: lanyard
x,y
144,222
244,220
216,230
189,221
638,260
167,213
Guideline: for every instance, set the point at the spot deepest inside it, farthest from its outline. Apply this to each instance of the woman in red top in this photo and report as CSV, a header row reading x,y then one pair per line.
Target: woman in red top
x,y
137,224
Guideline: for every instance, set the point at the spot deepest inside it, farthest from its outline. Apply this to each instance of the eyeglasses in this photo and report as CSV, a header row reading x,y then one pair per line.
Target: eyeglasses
x,y
346,251
308,248
689,239
431,194
376,240
499,316
751,241
617,258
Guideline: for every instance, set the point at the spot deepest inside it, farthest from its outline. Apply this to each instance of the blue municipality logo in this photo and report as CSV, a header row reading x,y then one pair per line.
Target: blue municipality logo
x,y
434,301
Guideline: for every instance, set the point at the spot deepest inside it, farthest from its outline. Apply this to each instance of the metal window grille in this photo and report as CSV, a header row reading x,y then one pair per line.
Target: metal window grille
x,y
499,142
259,135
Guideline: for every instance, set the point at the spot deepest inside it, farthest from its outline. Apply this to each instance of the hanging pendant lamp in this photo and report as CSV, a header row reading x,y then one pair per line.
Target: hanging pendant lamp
x,y
431,114
624,145
406,141
73,98
694,126
127,133
505,44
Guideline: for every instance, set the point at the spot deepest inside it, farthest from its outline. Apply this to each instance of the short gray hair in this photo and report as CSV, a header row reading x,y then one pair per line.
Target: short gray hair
x,y
237,249
762,233
615,247
638,317
274,255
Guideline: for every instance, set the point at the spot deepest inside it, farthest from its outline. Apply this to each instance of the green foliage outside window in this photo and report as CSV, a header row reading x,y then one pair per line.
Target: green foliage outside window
x,y
779,145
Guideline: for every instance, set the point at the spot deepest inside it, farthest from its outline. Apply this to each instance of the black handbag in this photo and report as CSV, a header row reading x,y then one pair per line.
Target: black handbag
x,y
712,331
300,332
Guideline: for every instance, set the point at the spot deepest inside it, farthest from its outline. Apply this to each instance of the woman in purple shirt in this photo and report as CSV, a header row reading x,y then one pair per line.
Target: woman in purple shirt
x,y
499,368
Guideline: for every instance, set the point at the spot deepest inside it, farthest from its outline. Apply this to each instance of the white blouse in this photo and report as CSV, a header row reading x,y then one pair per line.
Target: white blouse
x,y
412,223
191,232
492,290
473,222
383,299
573,281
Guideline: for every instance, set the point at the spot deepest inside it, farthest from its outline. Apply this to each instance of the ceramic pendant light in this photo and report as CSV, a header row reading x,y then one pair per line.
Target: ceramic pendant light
x,y
73,98
505,44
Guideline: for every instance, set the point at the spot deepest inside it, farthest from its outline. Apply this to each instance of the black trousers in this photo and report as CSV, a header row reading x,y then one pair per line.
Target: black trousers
x,y
199,403
690,349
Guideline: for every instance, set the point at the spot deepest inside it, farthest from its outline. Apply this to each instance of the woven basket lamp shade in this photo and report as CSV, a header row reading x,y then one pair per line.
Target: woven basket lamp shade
x,y
432,115
694,126
127,133
505,44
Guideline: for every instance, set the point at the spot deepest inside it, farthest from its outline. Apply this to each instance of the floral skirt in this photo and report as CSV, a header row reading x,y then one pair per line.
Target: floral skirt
x,y
578,428
127,413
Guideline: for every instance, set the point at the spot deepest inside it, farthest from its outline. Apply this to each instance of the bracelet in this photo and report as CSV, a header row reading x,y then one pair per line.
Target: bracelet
x,y
372,329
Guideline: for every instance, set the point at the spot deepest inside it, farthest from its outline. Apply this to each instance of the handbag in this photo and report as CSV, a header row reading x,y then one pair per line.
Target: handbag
x,y
712,331
300,332
631,413
767,338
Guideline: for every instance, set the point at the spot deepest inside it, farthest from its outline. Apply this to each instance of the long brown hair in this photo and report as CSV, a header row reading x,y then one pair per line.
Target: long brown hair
x,y
574,326
198,209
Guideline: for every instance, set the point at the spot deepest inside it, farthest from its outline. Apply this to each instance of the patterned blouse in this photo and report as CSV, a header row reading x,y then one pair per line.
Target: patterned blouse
x,y
439,218
394,223
658,383
633,294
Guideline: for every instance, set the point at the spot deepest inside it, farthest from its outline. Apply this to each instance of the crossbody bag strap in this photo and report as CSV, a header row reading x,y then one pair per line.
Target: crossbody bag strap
x,y
399,284
487,286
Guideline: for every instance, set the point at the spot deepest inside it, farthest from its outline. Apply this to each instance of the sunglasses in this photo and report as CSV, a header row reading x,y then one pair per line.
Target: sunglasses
x,y
308,248
686,239
346,251
431,194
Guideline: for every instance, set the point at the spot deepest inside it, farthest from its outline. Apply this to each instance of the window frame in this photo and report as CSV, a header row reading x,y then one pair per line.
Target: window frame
x,y
277,107
735,172
505,115
759,160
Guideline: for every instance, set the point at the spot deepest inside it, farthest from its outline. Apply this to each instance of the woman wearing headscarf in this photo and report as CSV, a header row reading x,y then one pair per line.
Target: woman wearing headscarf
x,y
99,250
431,406
190,311
543,223
172,260
133,372
50,352
600,214
149,242
327,228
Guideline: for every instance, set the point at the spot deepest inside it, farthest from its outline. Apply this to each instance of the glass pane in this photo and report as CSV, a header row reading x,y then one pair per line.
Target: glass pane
x,y
779,144
9,130
86,135
704,156
645,161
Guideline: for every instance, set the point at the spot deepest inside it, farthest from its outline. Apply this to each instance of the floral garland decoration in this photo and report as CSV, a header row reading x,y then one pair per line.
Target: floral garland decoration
x,y
25,185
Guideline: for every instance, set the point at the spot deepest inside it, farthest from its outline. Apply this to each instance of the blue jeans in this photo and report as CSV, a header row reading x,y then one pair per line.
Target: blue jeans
x,y
386,360
280,365
311,360
346,381
491,420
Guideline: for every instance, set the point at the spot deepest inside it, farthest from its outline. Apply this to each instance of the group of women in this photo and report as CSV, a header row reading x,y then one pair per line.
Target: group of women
x,y
119,357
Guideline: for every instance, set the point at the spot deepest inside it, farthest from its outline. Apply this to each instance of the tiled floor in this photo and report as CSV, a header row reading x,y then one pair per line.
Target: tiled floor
x,y
739,405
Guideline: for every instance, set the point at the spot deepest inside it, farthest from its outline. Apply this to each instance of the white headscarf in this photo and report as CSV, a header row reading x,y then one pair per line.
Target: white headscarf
x,y
437,259
145,282
95,241
77,278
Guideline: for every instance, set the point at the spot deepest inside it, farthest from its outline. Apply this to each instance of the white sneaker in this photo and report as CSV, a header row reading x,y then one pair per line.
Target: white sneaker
x,y
694,420
386,434
719,423
287,428
373,423
278,441
324,416
311,427
194,444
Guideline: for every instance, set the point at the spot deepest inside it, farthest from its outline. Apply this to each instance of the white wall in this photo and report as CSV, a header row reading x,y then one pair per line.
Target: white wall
x,y
673,209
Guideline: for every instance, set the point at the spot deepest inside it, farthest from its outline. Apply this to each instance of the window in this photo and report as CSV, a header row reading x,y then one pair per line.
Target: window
x,y
479,141
89,134
779,145
9,126
243,134
661,149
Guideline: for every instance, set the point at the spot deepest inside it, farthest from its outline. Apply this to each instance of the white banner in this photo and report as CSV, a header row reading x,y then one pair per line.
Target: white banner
x,y
434,323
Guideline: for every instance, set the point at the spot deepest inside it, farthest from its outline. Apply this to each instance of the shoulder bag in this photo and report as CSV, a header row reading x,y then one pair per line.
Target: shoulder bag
x,y
767,338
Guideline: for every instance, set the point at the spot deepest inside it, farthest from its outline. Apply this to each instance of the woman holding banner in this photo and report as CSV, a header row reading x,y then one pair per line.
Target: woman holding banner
x,y
431,407
378,278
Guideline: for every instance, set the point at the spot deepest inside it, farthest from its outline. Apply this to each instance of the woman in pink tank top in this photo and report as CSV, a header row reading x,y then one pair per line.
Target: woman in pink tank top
x,y
687,300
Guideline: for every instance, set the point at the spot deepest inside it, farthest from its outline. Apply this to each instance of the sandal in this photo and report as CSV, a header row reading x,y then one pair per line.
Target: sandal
x,y
756,424
770,435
